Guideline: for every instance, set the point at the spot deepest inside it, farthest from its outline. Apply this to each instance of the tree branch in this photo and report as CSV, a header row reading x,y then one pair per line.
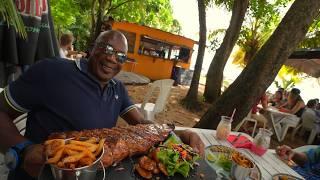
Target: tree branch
x,y
118,5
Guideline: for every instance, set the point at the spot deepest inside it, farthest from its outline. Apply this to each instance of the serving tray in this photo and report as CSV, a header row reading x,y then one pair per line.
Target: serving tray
x,y
124,171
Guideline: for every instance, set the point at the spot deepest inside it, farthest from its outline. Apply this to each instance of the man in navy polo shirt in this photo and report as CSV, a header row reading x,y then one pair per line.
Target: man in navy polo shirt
x,y
63,95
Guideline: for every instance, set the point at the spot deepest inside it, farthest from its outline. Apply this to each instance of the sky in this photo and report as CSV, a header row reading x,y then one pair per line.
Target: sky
x,y
186,12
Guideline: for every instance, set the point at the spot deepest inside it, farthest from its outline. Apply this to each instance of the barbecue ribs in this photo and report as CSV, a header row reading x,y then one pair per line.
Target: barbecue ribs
x,y
122,142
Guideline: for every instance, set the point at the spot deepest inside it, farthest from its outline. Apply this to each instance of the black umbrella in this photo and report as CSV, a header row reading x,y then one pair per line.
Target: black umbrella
x,y
16,53
307,61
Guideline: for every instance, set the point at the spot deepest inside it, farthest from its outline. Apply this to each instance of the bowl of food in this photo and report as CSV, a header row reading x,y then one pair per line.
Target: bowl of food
x,y
168,158
241,167
72,159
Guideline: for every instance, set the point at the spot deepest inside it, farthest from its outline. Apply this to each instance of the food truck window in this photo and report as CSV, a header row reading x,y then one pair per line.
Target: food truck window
x,y
184,54
180,53
175,50
155,48
131,37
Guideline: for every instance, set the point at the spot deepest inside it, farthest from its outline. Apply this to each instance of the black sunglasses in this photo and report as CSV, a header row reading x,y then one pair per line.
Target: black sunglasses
x,y
109,50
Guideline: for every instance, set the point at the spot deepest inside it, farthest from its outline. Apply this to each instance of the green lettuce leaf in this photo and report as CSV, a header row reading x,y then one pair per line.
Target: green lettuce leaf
x,y
183,168
170,159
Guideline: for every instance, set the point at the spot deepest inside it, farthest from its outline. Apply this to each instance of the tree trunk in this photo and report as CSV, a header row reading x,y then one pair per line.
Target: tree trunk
x,y
215,73
191,100
97,28
261,71
97,18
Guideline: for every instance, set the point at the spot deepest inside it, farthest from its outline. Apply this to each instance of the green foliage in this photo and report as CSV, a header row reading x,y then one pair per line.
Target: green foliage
x,y
76,15
72,16
287,78
153,13
261,20
312,39
228,4
238,58
9,14
215,38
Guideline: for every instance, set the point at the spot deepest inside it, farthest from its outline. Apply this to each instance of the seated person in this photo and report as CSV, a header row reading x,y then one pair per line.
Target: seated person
x,y
90,99
277,99
308,162
285,95
295,104
255,114
66,47
311,105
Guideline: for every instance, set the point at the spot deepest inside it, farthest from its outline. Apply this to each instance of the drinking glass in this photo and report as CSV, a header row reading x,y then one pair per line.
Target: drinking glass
x,y
224,128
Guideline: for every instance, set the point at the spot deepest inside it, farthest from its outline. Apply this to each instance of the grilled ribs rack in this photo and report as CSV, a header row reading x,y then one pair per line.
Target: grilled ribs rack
x,y
122,142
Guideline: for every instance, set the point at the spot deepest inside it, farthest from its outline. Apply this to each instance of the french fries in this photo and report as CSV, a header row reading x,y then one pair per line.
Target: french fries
x,y
72,153
241,160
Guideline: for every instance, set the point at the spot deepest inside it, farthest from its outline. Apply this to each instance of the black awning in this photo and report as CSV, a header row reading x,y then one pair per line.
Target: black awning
x,y
305,60
306,54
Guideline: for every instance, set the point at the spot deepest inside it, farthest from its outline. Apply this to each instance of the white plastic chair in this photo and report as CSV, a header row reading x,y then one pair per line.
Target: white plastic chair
x,y
150,109
247,118
308,123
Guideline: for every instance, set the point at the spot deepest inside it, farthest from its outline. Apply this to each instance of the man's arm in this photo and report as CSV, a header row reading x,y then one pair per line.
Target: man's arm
x,y
134,117
300,158
191,138
286,152
9,134
297,107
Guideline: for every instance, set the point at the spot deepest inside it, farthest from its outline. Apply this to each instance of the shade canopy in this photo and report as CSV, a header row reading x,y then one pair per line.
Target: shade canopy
x,y
307,61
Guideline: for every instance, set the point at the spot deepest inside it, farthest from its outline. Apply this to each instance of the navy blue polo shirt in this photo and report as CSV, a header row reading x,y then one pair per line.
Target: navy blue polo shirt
x,y
61,95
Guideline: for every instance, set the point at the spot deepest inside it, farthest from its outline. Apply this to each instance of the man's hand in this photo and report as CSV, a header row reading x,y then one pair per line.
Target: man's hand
x,y
191,138
285,152
33,160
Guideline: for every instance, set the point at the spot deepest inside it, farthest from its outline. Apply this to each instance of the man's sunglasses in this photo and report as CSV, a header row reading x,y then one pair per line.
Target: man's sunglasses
x,y
109,50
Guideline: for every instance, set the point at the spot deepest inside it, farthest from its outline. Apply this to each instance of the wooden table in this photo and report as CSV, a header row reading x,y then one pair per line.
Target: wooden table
x,y
269,164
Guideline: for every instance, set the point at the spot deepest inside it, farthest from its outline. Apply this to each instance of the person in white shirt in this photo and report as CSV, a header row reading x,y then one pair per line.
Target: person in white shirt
x,y
66,48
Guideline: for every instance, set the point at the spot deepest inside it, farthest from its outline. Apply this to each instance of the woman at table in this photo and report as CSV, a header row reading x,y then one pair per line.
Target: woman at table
x,y
295,105
277,99
308,162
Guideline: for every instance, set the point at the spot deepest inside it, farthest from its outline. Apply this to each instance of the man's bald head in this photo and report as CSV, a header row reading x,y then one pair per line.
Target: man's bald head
x,y
113,35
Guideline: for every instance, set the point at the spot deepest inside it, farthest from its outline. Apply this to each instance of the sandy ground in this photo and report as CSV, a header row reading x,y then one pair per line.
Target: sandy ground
x,y
175,113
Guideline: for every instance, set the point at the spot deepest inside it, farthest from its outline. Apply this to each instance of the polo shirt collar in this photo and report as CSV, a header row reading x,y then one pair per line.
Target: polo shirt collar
x,y
82,65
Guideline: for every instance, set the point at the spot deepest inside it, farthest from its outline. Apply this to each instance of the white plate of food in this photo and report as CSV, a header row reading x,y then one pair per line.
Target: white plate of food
x,y
219,159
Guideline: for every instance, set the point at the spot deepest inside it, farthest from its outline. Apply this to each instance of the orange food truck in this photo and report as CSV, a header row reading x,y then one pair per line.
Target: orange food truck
x,y
154,52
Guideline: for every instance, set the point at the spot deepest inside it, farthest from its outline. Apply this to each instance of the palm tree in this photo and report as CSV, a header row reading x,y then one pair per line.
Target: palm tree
x,y
9,13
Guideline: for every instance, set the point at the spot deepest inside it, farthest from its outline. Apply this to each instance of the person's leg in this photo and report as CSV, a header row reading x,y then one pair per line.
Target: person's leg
x,y
262,121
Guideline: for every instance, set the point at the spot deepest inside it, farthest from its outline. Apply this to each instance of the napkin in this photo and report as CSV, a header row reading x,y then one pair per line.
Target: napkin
x,y
241,142
244,142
